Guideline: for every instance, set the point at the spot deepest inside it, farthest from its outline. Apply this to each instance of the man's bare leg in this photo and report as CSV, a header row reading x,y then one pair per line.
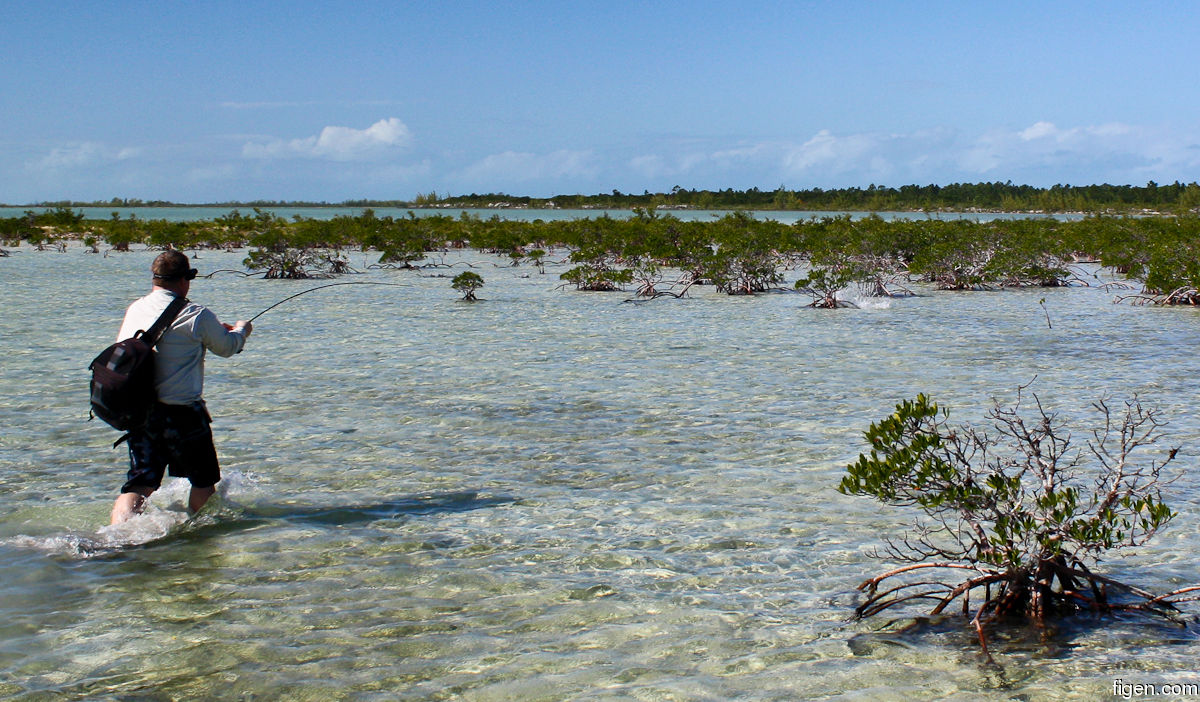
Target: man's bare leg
x,y
129,504
198,496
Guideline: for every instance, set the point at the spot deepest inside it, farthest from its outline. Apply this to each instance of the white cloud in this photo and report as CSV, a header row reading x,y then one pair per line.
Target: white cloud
x,y
745,152
658,166
837,153
1112,152
71,156
1041,153
338,143
82,155
1038,131
651,166
514,166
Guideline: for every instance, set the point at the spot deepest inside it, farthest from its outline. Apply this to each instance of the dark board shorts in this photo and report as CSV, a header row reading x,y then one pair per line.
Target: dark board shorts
x,y
176,440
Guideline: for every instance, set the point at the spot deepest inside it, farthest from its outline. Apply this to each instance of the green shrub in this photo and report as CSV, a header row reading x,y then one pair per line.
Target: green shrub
x,y
467,283
1020,511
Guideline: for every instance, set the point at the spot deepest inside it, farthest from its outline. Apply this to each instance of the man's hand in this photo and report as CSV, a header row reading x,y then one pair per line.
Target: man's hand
x,y
243,326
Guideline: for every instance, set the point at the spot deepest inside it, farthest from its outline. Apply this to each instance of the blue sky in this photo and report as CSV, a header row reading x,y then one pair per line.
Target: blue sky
x,y
213,101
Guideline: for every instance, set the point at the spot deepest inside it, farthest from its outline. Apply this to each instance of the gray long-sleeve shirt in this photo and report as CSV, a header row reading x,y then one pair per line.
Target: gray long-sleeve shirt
x,y
179,363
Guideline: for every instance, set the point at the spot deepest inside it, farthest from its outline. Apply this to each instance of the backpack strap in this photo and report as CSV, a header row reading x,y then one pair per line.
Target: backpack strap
x,y
155,332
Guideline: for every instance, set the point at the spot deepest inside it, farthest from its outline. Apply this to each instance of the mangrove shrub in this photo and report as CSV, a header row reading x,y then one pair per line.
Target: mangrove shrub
x,y
467,283
1020,511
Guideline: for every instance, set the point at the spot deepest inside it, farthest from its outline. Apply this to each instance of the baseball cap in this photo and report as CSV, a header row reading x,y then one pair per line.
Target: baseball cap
x,y
172,265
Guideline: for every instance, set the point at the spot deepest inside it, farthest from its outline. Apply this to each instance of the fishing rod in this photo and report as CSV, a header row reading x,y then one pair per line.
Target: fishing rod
x,y
319,287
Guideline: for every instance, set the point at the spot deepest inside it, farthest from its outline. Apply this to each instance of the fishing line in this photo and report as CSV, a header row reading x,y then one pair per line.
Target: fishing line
x,y
319,287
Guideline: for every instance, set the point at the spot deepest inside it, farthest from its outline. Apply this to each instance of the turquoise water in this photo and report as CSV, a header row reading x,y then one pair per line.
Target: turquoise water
x,y
197,214
544,495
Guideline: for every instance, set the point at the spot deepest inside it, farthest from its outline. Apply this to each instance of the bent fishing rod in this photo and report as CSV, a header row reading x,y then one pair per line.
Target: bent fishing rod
x,y
320,287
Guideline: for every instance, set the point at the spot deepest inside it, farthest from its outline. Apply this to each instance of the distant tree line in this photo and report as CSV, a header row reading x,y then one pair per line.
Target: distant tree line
x,y
990,197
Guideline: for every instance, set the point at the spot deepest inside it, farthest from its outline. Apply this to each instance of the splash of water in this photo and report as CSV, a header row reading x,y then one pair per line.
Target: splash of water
x,y
166,514
864,302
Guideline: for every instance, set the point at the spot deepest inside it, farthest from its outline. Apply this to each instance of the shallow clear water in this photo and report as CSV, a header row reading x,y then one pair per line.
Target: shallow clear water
x,y
546,494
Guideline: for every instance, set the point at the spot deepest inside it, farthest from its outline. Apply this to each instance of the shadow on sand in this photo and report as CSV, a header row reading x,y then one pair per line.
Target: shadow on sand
x,y
346,515
230,517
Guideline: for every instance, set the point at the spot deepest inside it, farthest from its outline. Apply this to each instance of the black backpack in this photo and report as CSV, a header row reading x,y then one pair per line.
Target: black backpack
x,y
123,375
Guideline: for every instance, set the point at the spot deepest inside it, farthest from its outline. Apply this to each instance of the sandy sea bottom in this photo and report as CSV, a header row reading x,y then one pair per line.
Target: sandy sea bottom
x,y
546,494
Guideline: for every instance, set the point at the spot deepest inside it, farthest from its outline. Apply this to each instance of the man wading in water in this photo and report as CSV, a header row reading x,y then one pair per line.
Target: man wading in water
x,y
177,433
